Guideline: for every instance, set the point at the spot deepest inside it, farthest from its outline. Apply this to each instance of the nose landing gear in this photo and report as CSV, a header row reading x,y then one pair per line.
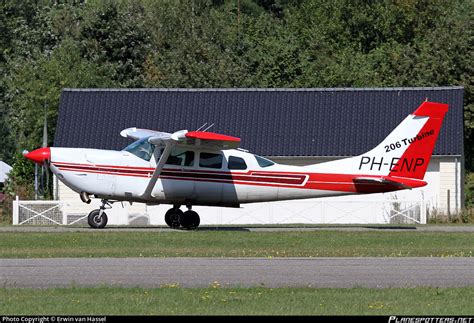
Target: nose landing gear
x,y
97,219
175,218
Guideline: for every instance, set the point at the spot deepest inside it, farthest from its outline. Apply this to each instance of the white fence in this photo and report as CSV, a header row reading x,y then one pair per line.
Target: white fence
x,y
38,212
313,211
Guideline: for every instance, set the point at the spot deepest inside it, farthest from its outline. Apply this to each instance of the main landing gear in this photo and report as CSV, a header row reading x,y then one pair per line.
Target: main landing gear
x,y
97,219
175,218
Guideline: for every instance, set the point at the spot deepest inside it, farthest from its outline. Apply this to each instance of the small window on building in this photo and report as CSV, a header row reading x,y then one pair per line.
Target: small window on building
x,y
180,157
236,163
210,160
263,162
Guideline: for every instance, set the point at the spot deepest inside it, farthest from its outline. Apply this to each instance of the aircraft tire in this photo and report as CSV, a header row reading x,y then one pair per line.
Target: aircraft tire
x,y
173,218
95,222
190,220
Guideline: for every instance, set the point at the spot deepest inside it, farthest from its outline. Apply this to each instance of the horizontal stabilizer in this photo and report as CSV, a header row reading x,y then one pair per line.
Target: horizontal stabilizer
x,y
385,184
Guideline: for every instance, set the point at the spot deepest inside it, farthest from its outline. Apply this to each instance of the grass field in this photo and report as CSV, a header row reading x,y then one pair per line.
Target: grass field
x,y
237,301
236,244
173,300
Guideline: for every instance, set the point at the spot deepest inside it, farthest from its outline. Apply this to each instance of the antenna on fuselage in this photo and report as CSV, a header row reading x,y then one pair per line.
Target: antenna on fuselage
x,y
201,127
208,128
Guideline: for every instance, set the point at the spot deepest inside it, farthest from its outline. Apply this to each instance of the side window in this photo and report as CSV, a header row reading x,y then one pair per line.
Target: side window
x,y
236,163
210,160
181,157
263,162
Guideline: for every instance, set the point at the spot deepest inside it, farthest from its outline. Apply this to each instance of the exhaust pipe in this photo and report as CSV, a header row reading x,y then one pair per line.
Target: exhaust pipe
x,y
85,197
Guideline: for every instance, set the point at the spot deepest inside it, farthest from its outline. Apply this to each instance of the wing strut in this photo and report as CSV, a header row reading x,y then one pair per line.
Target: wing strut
x,y
159,167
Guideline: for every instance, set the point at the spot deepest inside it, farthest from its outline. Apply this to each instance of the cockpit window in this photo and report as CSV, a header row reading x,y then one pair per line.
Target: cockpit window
x,y
141,148
263,162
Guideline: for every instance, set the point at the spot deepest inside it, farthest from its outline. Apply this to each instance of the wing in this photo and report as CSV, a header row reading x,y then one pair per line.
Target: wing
x,y
136,133
210,140
204,139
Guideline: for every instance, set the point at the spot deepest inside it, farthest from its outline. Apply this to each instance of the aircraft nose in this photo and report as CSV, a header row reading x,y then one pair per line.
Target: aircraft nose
x,y
39,155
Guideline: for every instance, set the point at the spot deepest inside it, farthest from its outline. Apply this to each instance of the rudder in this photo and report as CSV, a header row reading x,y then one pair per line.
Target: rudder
x,y
414,161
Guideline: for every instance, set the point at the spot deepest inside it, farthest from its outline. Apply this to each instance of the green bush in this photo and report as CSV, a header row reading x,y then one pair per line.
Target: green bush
x,y
469,190
20,182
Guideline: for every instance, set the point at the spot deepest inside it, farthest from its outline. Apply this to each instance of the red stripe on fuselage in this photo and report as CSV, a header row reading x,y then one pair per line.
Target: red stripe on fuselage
x,y
315,181
248,177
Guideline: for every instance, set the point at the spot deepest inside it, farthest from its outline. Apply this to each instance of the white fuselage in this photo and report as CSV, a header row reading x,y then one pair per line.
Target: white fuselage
x,y
121,175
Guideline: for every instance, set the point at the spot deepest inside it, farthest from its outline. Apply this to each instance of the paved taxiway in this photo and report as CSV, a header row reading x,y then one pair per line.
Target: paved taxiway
x,y
244,272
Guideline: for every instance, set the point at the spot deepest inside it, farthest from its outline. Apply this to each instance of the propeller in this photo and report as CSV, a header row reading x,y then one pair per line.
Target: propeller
x,y
44,175
41,157
42,181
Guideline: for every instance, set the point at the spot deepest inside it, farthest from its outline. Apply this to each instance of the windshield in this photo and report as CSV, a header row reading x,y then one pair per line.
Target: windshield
x,y
141,148
263,162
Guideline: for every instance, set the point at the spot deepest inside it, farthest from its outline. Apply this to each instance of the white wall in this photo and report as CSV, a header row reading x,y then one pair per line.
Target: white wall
x,y
450,192
443,174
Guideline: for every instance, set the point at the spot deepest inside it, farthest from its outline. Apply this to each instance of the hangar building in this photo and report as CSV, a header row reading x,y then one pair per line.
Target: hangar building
x,y
289,126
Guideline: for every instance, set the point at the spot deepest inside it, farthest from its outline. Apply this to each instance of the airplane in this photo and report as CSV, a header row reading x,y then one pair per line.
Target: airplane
x,y
188,168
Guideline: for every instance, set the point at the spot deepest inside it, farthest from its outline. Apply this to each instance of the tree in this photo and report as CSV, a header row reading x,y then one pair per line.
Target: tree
x,y
117,37
32,87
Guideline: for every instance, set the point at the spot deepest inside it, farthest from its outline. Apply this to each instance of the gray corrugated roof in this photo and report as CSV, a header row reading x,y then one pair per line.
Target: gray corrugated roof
x,y
270,122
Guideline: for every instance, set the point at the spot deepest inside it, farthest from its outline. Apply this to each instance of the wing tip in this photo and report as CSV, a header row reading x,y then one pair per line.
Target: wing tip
x,y
211,136
125,132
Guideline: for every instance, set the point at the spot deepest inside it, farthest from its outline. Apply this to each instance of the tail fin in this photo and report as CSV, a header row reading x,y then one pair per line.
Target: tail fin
x,y
405,152
421,146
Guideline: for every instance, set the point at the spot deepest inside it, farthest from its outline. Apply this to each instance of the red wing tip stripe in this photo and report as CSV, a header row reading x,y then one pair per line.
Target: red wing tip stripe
x,y
210,136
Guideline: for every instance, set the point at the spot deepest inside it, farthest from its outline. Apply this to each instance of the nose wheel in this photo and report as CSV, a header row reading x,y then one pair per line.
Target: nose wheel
x,y
97,219
175,218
